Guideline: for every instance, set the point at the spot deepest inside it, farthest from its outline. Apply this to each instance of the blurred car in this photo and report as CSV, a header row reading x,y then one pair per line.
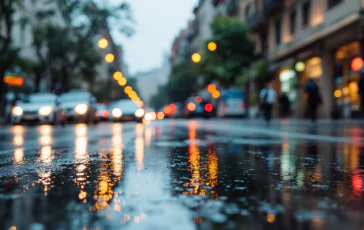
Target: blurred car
x,y
178,110
150,114
232,103
41,108
80,106
126,110
197,108
103,112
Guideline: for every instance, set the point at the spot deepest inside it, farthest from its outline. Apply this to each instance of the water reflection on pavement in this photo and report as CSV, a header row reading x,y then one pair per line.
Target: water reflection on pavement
x,y
176,175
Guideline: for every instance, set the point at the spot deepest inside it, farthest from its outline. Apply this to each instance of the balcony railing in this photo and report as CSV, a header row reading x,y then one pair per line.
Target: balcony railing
x,y
273,5
256,21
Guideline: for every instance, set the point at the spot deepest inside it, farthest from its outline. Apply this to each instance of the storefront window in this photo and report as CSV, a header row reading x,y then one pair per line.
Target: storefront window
x,y
347,80
313,69
288,81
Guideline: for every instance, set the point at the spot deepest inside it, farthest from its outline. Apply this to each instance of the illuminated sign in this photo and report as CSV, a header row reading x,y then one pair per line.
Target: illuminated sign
x,y
14,80
357,64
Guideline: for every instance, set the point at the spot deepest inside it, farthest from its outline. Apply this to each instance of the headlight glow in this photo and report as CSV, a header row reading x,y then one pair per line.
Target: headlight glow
x,y
17,110
45,111
139,112
81,109
148,116
116,113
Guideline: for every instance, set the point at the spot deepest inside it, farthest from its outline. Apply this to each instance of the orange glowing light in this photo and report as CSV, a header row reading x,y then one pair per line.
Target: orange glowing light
x,y
337,93
271,218
211,88
357,64
198,99
14,80
191,106
128,89
215,94
160,115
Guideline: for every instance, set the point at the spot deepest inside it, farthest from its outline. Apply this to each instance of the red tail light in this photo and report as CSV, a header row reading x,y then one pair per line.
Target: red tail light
x,y
105,114
208,107
242,106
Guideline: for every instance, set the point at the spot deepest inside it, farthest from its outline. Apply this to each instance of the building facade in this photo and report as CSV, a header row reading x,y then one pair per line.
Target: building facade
x,y
319,37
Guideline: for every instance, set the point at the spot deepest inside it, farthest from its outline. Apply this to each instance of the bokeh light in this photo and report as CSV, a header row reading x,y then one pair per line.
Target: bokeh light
x,y
103,43
196,57
215,94
128,89
109,58
337,93
118,75
122,81
212,46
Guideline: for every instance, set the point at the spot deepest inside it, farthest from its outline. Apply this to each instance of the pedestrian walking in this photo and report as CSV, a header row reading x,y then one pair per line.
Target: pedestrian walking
x,y
314,99
284,105
267,99
361,91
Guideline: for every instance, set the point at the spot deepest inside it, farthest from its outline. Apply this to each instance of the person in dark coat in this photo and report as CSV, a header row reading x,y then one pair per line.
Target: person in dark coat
x,y
314,99
361,91
284,105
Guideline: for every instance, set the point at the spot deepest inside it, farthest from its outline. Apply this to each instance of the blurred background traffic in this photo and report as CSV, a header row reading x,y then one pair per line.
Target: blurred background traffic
x,y
213,57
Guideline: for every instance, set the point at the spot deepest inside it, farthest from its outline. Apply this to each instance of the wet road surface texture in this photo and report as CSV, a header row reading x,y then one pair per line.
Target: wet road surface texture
x,y
178,174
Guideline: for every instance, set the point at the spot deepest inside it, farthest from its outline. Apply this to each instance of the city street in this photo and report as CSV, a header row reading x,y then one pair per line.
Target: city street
x,y
182,174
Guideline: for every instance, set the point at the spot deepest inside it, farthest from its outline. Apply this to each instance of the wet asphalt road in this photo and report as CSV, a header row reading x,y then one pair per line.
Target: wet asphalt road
x,y
179,174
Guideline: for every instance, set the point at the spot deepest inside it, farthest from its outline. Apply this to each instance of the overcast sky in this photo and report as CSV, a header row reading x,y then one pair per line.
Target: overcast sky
x,y
158,22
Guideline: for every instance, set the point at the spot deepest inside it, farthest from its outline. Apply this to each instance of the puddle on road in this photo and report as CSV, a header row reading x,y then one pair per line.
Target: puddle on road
x,y
183,179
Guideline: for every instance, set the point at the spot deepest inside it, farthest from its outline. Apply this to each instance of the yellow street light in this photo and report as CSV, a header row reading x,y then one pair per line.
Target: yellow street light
x,y
103,43
128,89
122,81
212,46
337,93
215,94
118,75
196,57
109,58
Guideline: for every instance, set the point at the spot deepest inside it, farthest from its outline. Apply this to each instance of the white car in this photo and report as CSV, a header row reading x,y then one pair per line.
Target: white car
x,y
80,106
126,110
41,108
232,103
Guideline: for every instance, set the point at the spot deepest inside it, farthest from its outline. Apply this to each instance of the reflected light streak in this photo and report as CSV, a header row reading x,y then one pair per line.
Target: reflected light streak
x,y
18,155
148,136
18,140
139,146
194,157
117,160
45,179
213,166
45,130
46,155
81,147
139,153
81,130
45,140
18,130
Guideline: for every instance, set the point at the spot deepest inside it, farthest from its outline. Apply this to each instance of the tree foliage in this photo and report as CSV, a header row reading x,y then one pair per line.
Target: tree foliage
x,y
71,54
235,51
